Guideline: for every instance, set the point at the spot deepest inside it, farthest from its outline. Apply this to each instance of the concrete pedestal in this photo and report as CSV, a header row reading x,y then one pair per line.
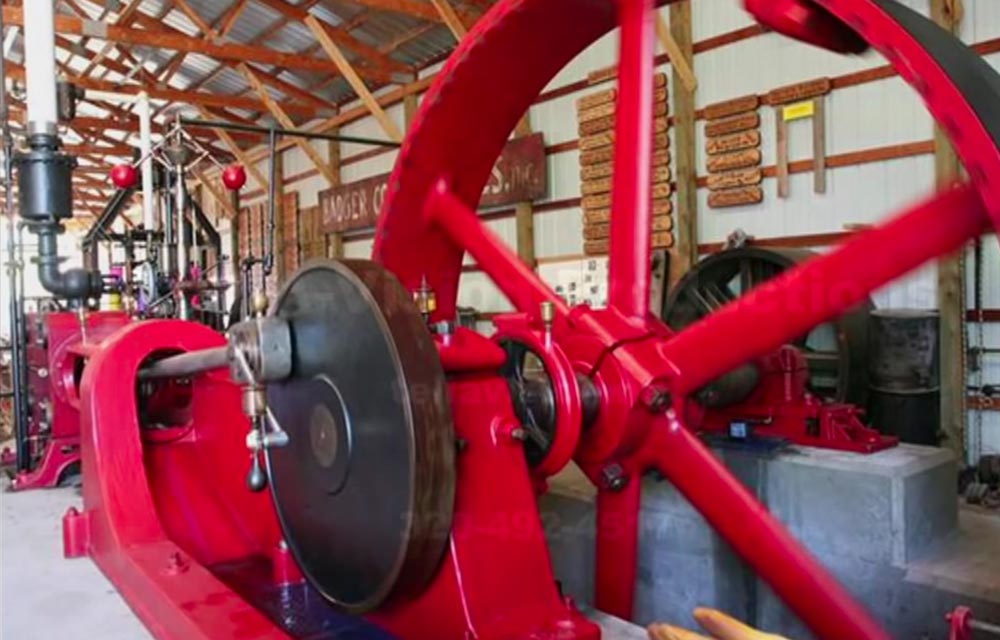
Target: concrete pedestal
x,y
869,518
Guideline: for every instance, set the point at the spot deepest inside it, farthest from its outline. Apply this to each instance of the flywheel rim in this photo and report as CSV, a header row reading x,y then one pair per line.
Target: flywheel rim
x,y
432,149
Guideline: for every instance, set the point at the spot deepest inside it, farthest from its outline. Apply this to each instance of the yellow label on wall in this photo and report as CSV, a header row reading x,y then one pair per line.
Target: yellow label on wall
x,y
798,110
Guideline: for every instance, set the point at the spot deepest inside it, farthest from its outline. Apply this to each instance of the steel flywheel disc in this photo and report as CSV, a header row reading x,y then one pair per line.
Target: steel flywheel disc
x,y
365,488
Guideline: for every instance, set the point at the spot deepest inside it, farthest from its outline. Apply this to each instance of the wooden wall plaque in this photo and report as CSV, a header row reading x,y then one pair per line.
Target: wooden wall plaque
x,y
735,197
735,160
799,91
732,124
733,142
595,124
732,107
737,178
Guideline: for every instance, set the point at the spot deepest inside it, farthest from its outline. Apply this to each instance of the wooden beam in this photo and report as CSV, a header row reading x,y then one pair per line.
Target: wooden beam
x,y
163,39
352,77
230,17
286,122
335,240
286,88
172,95
685,253
450,18
379,66
524,212
678,61
410,105
951,284
412,8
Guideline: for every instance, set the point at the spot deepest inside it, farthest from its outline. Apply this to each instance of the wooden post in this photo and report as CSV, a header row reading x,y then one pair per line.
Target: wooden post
x,y
524,212
335,240
686,253
951,281
410,104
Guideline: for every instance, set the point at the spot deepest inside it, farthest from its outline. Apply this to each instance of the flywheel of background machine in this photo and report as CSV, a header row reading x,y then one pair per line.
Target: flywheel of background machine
x,y
836,351
365,487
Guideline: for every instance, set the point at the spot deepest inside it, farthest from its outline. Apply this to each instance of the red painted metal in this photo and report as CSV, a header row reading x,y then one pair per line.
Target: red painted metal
x,y
57,351
958,623
634,364
628,287
781,406
166,509
566,390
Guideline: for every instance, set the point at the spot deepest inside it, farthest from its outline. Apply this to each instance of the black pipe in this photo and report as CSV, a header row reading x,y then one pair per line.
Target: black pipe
x,y
294,133
73,284
99,230
45,182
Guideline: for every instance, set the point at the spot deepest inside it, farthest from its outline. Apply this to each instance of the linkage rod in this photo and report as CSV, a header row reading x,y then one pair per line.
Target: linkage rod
x,y
293,133
186,364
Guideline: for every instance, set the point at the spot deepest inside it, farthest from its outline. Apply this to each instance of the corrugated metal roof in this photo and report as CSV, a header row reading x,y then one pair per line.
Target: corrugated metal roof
x,y
404,39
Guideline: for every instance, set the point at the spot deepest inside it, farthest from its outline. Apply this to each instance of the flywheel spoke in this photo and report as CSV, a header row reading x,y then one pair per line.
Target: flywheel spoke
x,y
630,193
522,286
788,306
757,536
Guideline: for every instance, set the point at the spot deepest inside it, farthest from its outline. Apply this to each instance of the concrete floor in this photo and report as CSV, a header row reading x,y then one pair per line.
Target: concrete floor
x,y
44,596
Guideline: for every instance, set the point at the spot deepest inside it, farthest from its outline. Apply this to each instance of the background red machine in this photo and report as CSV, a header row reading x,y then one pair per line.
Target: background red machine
x,y
58,346
167,514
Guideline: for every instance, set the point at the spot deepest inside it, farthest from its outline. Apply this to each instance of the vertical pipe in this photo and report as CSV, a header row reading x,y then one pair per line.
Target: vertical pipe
x,y
182,246
40,66
149,220
629,261
272,141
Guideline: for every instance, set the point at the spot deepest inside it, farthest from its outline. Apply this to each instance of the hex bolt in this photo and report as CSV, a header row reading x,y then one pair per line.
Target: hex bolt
x,y
613,477
656,397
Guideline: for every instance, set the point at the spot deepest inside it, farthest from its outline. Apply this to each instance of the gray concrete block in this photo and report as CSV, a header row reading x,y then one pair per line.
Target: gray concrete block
x,y
864,517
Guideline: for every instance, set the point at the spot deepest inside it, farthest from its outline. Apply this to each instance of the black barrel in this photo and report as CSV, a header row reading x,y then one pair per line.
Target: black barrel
x,y
904,374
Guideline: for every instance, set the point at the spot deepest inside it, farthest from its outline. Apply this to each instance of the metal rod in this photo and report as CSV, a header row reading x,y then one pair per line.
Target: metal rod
x,y
272,167
18,373
294,133
182,242
187,364
984,626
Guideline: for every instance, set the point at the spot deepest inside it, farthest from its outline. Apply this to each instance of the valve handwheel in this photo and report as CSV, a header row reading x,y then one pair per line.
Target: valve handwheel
x,y
642,368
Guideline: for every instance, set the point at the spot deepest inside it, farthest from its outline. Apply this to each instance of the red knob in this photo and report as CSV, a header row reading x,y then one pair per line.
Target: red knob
x,y
234,177
124,176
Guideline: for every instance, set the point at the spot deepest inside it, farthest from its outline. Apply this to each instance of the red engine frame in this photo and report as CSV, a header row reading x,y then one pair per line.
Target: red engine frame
x,y
781,406
57,349
163,514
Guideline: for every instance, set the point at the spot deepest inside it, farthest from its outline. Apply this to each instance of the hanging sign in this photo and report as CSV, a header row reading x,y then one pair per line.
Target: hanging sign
x,y
520,175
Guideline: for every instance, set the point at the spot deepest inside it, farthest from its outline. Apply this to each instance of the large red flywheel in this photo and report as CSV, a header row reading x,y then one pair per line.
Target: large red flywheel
x,y
642,371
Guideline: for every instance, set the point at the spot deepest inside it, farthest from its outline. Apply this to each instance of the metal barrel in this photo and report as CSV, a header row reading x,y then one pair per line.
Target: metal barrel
x,y
186,364
904,374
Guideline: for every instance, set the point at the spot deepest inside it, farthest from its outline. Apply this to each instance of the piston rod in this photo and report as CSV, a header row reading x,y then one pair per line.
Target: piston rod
x,y
187,364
